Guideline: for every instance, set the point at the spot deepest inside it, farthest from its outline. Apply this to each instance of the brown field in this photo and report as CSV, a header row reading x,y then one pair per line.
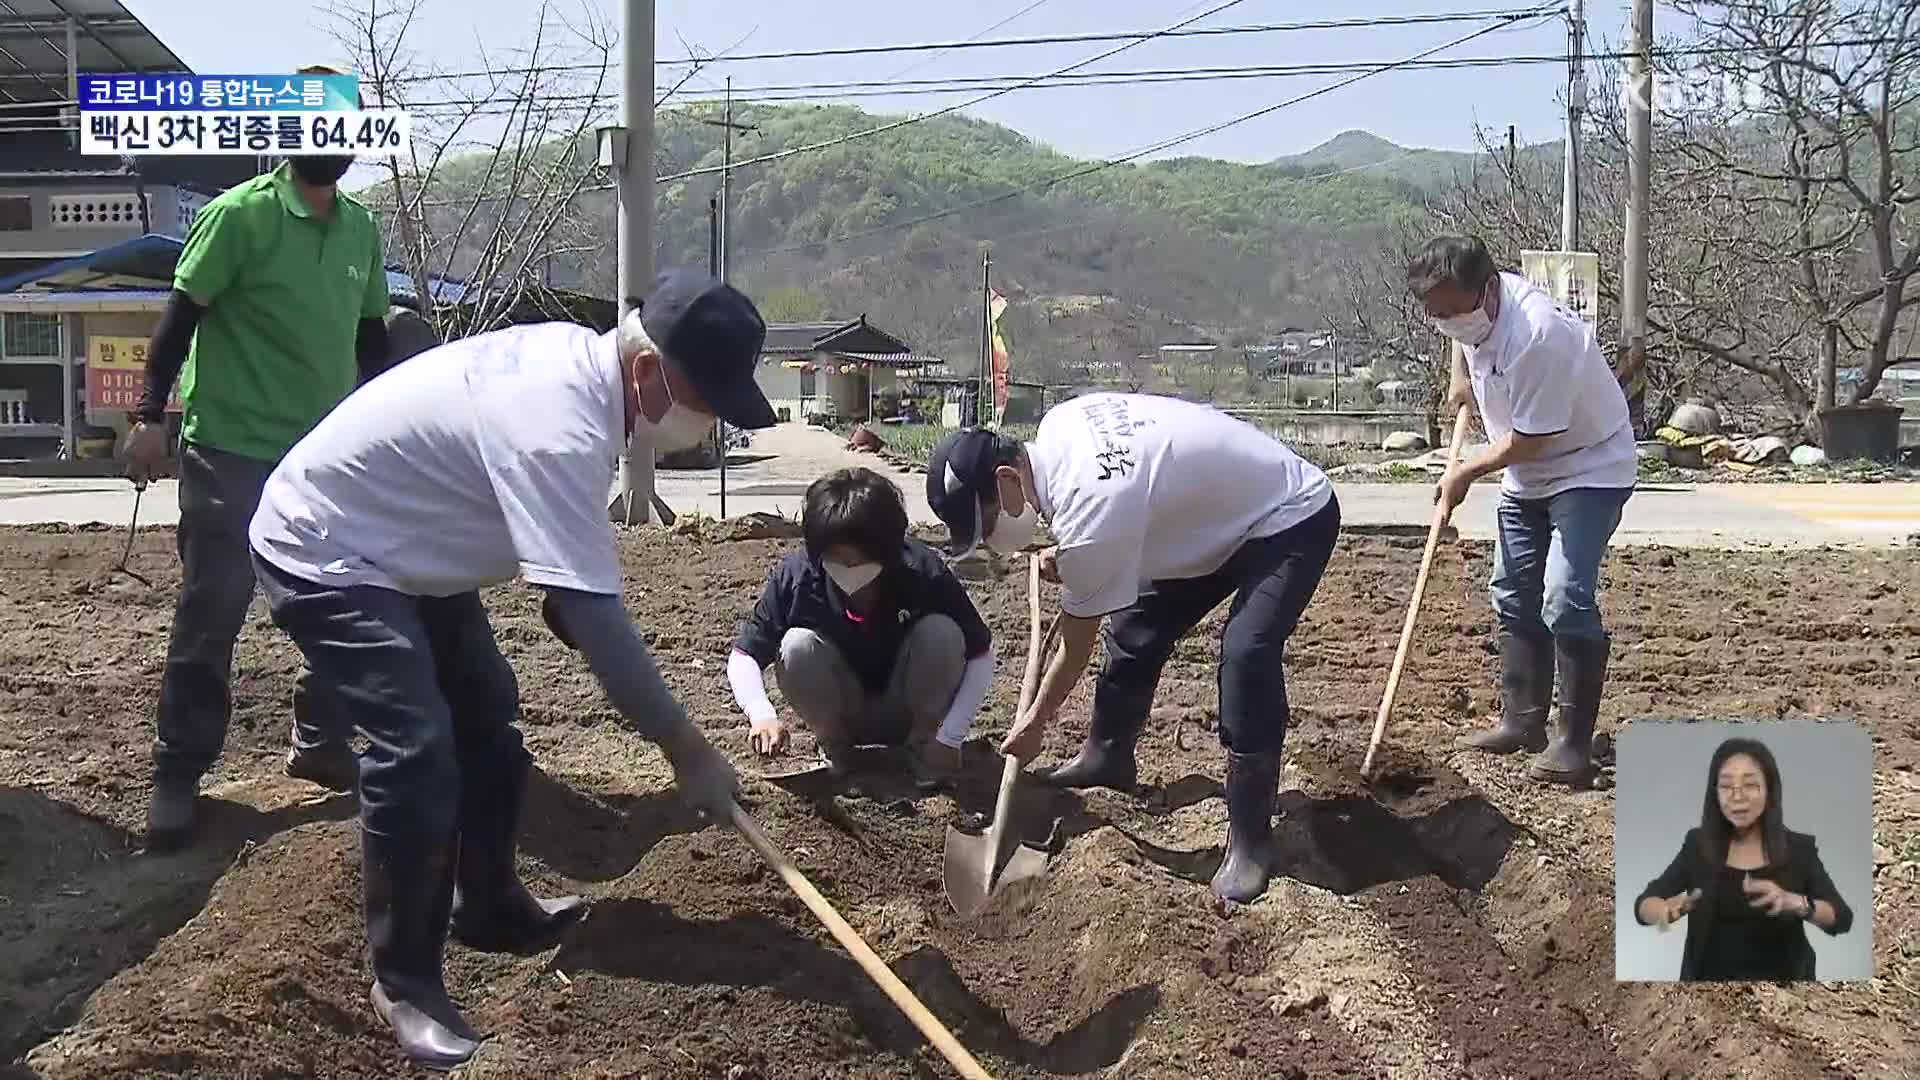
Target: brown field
x,y
1454,922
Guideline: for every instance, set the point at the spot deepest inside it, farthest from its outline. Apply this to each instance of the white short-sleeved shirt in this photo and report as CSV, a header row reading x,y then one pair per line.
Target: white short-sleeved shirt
x,y
1541,373
484,459
1140,488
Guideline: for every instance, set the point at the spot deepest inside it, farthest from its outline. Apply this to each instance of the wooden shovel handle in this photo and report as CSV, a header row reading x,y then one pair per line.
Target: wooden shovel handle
x,y
876,969
1413,608
1037,647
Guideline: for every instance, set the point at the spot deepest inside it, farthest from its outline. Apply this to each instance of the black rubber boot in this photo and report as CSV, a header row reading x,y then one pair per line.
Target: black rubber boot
x,y
1526,693
1583,676
332,767
1101,762
409,895
1253,784
492,909
170,812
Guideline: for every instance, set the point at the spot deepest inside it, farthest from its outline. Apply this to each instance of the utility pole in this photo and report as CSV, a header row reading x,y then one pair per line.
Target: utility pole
x,y
1576,104
713,267
1633,301
719,239
628,151
1513,161
986,339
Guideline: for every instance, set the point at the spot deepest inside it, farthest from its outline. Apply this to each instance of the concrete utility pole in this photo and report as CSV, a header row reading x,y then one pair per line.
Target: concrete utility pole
x,y
628,151
721,237
1633,300
1576,104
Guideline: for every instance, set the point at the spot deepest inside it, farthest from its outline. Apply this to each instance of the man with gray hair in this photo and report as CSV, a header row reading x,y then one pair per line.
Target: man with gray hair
x,y
1557,420
484,459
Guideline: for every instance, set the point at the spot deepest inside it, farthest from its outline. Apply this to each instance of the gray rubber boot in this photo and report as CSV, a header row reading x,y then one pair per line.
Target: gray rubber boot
x,y
1526,693
1253,784
409,894
1583,676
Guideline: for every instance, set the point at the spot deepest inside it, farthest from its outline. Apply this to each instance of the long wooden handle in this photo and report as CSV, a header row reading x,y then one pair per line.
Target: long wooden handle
x,y
1413,608
1029,686
876,969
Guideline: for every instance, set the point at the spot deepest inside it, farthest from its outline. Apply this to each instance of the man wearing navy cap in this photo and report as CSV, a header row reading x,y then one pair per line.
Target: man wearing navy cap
x,y
474,462
1160,509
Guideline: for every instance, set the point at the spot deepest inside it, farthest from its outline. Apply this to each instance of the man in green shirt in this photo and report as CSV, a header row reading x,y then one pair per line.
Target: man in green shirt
x,y
278,308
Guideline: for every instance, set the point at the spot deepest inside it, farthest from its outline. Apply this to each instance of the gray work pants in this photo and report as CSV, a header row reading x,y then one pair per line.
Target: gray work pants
x,y
218,495
831,700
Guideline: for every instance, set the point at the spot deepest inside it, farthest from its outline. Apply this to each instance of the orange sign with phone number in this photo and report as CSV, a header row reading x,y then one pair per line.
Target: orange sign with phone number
x,y
117,373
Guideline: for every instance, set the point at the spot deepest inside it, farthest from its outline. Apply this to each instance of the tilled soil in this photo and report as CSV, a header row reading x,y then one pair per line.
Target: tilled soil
x,y
1451,920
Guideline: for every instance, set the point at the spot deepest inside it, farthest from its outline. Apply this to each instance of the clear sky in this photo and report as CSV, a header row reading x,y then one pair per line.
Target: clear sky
x,y
1436,108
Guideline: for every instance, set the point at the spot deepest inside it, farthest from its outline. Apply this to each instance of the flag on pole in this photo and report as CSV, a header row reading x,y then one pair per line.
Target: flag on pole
x,y
996,305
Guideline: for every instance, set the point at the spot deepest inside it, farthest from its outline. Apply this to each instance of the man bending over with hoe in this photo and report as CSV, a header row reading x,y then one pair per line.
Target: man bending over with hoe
x,y
872,638
472,463
1160,509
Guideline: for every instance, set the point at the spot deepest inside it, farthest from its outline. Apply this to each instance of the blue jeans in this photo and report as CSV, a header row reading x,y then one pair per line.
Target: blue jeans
x,y
218,494
1271,580
1546,563
423,679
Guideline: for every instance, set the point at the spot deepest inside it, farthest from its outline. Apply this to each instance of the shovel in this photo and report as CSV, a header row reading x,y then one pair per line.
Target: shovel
x,y
977,867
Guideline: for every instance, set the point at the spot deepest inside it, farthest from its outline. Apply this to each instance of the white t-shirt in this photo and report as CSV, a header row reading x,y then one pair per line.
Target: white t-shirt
x,y
1140,488
1542,373
485,458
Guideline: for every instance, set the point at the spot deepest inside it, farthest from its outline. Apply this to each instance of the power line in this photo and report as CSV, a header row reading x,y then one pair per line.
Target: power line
x,y
1052,39
944,110
834,91
830,91
923,61
1088,170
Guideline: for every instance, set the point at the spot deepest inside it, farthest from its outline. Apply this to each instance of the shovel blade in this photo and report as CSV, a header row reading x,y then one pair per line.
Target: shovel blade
x,y
969,887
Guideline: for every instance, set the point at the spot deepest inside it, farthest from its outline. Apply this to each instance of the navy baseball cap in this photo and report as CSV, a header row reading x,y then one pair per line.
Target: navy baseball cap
x,y
713,334
959,479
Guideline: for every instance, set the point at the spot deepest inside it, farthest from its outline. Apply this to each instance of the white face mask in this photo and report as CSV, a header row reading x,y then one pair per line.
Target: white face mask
x,y
680,429
851,579
1469,329
1011,534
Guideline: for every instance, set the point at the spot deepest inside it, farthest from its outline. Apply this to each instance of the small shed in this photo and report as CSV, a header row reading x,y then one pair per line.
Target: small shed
x,y
73,342
833,369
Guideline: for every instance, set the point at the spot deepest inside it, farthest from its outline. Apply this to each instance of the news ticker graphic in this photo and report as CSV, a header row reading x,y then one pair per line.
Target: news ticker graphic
x,y
281,115
219,93
363,132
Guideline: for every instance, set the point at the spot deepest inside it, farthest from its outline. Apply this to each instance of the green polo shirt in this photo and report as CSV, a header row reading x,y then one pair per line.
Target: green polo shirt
x,y
284,294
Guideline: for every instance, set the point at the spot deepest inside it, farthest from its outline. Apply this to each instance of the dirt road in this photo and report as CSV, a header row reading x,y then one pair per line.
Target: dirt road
x,y
1460,928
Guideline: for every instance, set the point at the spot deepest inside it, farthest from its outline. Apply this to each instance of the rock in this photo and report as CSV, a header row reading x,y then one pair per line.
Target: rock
x,y
1404,441
1296,1000
863,439
1882,855
1807,455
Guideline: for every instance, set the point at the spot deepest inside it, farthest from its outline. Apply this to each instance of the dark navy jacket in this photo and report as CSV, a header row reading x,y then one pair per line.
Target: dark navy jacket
x,y
800,595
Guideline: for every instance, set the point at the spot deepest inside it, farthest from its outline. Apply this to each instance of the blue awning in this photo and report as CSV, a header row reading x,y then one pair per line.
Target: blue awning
x,y
146,263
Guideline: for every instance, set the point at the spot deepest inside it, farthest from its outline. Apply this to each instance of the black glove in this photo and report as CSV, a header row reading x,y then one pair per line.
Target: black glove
x,y
553,623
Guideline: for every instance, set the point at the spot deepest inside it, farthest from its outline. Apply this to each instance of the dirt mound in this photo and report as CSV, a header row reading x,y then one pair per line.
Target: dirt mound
x,y
1443,921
